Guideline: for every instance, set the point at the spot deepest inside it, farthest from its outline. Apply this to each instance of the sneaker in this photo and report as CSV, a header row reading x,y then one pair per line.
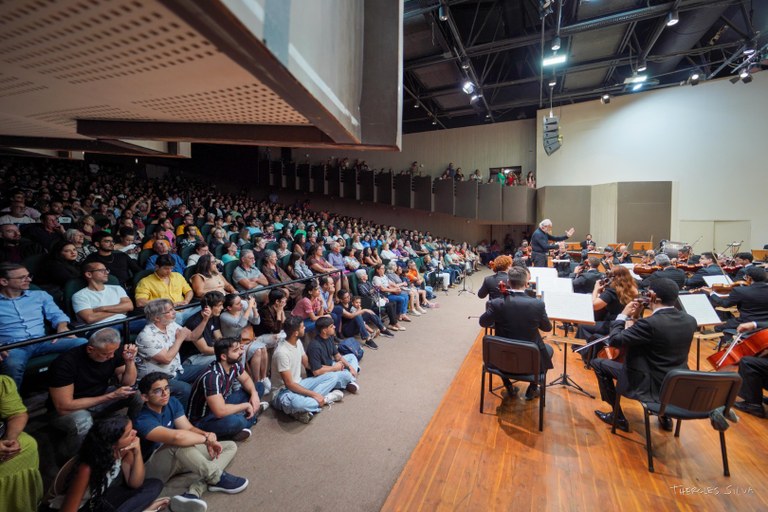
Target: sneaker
x,y
187,502
387,333
243,435
263,406
371,344
304,417
267,385
333,396
353,387
414,312
229,484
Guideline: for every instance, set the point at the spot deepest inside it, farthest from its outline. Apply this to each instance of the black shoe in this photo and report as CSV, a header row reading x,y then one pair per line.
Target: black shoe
x,y
532,392
387,333
607,417
371,344
510,391
666,423
750,408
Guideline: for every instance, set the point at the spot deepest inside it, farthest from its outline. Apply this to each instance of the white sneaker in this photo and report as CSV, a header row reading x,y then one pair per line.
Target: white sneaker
x,y
353,387
263,406
334,396
414,312
267,385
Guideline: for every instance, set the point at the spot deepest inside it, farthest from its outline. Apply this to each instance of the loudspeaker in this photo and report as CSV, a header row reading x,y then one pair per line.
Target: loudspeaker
x,y
551,134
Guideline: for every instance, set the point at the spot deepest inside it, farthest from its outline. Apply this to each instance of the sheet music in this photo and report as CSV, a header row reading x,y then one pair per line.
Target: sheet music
x,y
631,267
699,307
569,307
721,279
556,285
544,272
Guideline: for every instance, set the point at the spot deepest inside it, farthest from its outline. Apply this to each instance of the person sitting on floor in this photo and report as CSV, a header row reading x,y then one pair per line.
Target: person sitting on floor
x,y
215,406
171,445
297,397
324,356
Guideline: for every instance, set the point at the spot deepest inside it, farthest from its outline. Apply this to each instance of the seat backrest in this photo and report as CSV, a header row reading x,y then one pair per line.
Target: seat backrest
x,y
229,269
699,391
189,272
144,255
511,356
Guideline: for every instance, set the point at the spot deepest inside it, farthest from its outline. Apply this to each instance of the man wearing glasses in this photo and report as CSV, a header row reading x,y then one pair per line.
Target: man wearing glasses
x,y
23,313
100,301
171,445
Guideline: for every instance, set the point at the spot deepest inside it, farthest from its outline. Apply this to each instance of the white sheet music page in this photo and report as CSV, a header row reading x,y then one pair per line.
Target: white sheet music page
x,y
698,306
569,307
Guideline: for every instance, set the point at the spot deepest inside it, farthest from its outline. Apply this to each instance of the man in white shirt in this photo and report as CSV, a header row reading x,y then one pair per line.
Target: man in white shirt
x,y
100,302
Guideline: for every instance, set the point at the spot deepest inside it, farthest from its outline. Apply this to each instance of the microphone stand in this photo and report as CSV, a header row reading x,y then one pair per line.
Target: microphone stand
x,y
464,283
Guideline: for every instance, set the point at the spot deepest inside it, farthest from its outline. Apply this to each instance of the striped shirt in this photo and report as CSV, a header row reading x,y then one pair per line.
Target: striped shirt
x,y
214,381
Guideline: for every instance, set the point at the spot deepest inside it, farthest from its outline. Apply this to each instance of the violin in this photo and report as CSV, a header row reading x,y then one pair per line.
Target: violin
x,y
618,354
503,288
689,267
732,269
644,270
725,289
754,344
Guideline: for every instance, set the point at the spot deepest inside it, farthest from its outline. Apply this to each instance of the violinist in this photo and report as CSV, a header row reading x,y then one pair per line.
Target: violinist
x,y
708,268
520,317
754,373
540,242
685,255
562,260
586,275
609,258
609,298
623,255
524,253
751,300
743,259
490,286
648,257
666,270
653,346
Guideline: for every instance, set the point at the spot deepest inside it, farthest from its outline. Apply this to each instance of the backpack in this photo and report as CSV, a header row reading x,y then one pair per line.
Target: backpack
x,y
351,346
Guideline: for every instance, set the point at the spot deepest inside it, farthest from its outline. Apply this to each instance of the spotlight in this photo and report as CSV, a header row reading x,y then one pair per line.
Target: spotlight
x,y
468,87
434,122
442,13
746,77
672,18
465,65
694,80
474,98
415,104
552,60
552,82
637,86
744,73
642,66
556,44
605,99
749,49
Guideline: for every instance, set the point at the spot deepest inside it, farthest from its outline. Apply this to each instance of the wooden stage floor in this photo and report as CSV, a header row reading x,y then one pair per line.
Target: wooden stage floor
x,y
499,460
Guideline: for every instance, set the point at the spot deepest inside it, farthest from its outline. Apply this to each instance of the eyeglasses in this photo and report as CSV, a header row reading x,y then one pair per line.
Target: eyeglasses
x,y
23,278
101,270
160,391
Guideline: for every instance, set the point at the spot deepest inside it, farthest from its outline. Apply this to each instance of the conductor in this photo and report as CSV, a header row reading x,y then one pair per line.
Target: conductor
x,y
540,242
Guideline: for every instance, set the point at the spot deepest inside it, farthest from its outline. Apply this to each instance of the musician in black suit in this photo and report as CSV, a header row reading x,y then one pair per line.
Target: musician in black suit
x,y
609,258
586,275
709,268
520,317
490,286
745,260
751,300
540,242
622,254
667,270
561,260
754,372
654,346
585,244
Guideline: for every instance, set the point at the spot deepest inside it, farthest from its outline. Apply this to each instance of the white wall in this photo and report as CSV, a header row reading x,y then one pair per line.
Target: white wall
x,y
476,147
709,140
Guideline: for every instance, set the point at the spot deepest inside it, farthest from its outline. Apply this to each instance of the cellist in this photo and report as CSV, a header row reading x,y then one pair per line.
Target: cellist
x,y
653,346
754,373
751,300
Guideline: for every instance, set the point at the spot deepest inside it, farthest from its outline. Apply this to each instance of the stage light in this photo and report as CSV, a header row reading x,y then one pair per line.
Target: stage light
x,y
746,76
749,49
552,82
605,99
642,66
556,43
442,13
636,79
744,73
553,60
465,65
694,80
415,104
637,86
474,98
468,87
434,122
673,18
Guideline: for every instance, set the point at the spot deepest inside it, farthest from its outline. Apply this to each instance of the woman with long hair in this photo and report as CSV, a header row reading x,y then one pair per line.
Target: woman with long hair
x,y
208,278
76,237
276,275
60,266
109,472
371,257
296,268
238,320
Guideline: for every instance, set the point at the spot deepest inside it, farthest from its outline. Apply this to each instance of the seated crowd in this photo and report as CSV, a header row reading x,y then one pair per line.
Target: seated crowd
x,y
189,323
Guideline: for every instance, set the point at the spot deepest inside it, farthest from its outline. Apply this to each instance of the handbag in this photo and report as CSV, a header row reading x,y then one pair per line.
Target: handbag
x,y
351,346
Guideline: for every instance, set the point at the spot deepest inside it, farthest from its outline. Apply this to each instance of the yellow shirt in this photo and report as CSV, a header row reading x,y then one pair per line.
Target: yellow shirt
x,y
152,287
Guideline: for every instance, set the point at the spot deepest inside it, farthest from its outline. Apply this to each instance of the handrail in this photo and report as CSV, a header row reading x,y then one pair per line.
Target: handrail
x,y
129,319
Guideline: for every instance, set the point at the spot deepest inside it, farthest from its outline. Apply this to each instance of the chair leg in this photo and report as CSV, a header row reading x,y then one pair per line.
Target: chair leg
x,y
726,471
648,439
542,402
482,391
490,383
677,427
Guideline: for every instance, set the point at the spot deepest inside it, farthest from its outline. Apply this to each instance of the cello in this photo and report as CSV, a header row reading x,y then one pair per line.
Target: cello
x,y
743,345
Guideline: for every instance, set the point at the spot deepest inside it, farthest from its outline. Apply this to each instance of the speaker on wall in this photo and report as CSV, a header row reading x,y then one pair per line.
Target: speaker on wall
x,y
551,134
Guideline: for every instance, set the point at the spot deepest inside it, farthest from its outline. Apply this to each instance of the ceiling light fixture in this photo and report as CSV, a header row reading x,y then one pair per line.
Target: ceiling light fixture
x,y
673,18
415,104
642,66
636,79
468,87
745,76
553,60
434,122
474,98
749,49
556,43
465,65
605,99
637,86
442,13
695,76
552,82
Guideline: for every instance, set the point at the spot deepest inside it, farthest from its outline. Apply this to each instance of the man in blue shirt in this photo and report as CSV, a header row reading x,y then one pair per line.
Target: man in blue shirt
x,y
161,247
171,445
23,313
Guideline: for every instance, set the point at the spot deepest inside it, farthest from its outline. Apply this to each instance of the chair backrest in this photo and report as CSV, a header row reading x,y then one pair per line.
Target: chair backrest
x,y
511,356
189,272
229,270
699,392
185,253
144,255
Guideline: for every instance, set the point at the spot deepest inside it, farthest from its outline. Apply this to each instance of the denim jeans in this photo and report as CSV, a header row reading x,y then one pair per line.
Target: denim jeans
x,y
291,403
357,325
401,299
181,384
230,425
15,362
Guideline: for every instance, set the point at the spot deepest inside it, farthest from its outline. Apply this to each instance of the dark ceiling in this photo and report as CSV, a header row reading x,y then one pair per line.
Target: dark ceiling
x,y
498,45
